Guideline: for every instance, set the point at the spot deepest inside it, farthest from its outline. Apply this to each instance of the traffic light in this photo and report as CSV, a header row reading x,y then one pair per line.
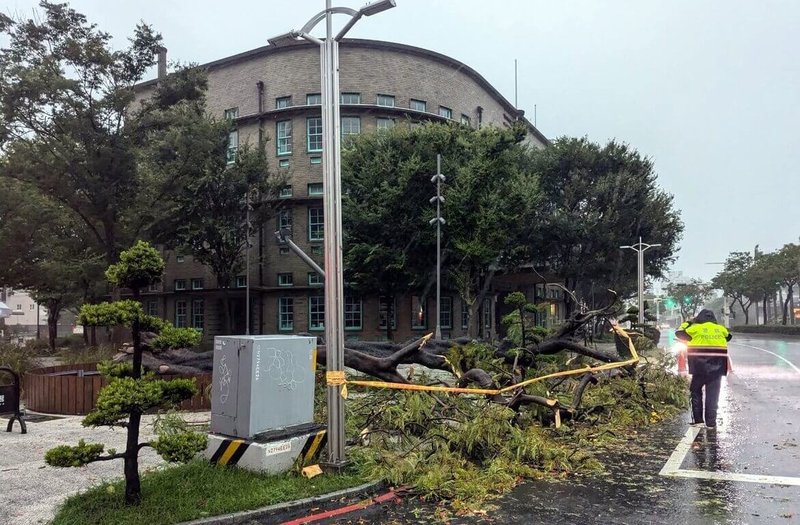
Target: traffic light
x,y
669,302
687,300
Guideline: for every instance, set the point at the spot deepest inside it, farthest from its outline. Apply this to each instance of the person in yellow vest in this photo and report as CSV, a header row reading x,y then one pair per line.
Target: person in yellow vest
x,y
707,350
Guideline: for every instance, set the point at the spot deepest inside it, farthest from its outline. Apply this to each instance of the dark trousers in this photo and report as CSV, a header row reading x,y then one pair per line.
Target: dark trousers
x,y
711,383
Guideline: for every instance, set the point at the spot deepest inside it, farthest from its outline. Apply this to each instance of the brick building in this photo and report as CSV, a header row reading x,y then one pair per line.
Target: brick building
x,y
274,92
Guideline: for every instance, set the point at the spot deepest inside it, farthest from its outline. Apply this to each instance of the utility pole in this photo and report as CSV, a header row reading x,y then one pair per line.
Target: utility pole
x,y
640,248
439,221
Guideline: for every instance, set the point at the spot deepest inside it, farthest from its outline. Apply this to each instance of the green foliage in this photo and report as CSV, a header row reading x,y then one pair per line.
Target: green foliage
x,y
177,442
767,329
692,295
171,337
110,369
193,491
473,355
596,198
151,323
19,358
70,342
110,314
126,395
73,456
139,266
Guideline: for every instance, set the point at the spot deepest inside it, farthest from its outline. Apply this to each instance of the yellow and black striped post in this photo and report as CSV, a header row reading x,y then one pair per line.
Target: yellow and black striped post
x,y
230,451
313,445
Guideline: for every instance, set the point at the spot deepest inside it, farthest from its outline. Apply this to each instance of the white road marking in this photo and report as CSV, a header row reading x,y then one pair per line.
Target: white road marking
x,y
672,468
796,369
673,464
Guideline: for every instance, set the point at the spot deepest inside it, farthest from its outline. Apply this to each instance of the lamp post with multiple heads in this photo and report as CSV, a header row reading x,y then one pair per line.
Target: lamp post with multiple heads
x,y
640,248
438,221
332,183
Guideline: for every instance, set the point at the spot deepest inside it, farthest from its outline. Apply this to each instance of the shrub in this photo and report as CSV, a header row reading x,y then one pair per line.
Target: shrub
x,y
70,341
19,358
171,337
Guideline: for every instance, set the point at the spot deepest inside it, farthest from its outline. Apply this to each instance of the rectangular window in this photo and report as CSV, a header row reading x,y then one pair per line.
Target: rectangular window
x,y
285,220
283,102
31,307
198,314
283,163
314,133
152,288
233,145
316,160
315,188
352,313
385,312
350,126
316,224
316,250
316,312
351,98
197,284
285,313
314,279
487,314
285,279
152,308
283,250
386,100
445,112
241,281
464,315
418,105
418,314
180,314
283,132
446,312
313,99
180,258
180,284
384,123
231,113
465,119
286,191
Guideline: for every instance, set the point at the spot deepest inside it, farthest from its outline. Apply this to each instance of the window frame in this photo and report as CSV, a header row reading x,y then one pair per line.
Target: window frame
x,y
242,283
317,136
356,306
230,113
379,120
464,315
284,219
233,147
283,141
283,102
319,224
152,308
350,119
383,307
417,102
315,279
449,301
179,285
316,309
310,97
181,319
201,315
285,279
194,283
385,98
446,112
350,94
285,192
315,189
285,311
415,307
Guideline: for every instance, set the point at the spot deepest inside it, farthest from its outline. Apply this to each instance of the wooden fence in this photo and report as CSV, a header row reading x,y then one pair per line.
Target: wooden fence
x,y
73,389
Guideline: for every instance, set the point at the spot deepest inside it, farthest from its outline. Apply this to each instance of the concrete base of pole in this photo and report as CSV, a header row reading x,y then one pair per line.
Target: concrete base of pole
x,y
335,467
272,453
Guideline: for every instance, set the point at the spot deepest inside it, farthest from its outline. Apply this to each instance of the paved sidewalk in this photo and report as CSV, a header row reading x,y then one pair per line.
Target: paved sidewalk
x,y
31,491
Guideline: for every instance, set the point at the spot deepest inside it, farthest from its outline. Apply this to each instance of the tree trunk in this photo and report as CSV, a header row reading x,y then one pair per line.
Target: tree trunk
x,y
133,489
764,307
786,305
53,313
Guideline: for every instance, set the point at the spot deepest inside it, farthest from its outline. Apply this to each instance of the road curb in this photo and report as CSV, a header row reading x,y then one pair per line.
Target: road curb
x,y
244,516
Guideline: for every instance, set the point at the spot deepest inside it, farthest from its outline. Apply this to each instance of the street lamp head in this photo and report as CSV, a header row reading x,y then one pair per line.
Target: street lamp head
x,y
373,8
285,38
624,247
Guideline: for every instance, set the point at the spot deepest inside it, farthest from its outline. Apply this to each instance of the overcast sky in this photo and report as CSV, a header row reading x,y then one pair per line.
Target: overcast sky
x,y
710,90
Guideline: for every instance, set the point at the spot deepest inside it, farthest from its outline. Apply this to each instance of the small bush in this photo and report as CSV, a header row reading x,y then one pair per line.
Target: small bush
x,y
171,337
19,358
86,355
70,341
767,329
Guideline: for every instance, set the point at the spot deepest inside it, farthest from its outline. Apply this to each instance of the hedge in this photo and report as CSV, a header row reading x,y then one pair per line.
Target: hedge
x,y
768,329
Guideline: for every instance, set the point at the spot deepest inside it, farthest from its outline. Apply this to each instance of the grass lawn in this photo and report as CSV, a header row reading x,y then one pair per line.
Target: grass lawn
x,y
192,491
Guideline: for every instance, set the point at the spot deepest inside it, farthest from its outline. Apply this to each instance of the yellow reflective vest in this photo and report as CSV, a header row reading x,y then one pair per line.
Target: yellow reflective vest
x,y
707,338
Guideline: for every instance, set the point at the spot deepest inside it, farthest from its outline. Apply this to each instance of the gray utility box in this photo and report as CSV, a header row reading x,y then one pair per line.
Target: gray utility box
x,y
262,383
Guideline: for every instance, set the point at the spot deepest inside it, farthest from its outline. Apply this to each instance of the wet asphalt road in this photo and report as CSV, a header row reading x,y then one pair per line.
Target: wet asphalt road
x,y
758,435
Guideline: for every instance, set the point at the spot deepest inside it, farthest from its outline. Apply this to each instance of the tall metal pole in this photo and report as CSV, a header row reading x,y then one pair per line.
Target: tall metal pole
x,y
334,287
640,248
247,264
438,178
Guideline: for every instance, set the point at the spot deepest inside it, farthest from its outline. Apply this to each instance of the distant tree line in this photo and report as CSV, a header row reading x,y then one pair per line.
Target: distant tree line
x,y
760,279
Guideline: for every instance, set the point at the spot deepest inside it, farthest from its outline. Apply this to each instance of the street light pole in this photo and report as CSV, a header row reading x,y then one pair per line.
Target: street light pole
x,y
439,221
640,248
332,184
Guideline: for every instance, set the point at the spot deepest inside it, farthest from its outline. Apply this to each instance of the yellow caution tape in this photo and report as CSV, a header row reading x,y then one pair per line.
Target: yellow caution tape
x,y
336,378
